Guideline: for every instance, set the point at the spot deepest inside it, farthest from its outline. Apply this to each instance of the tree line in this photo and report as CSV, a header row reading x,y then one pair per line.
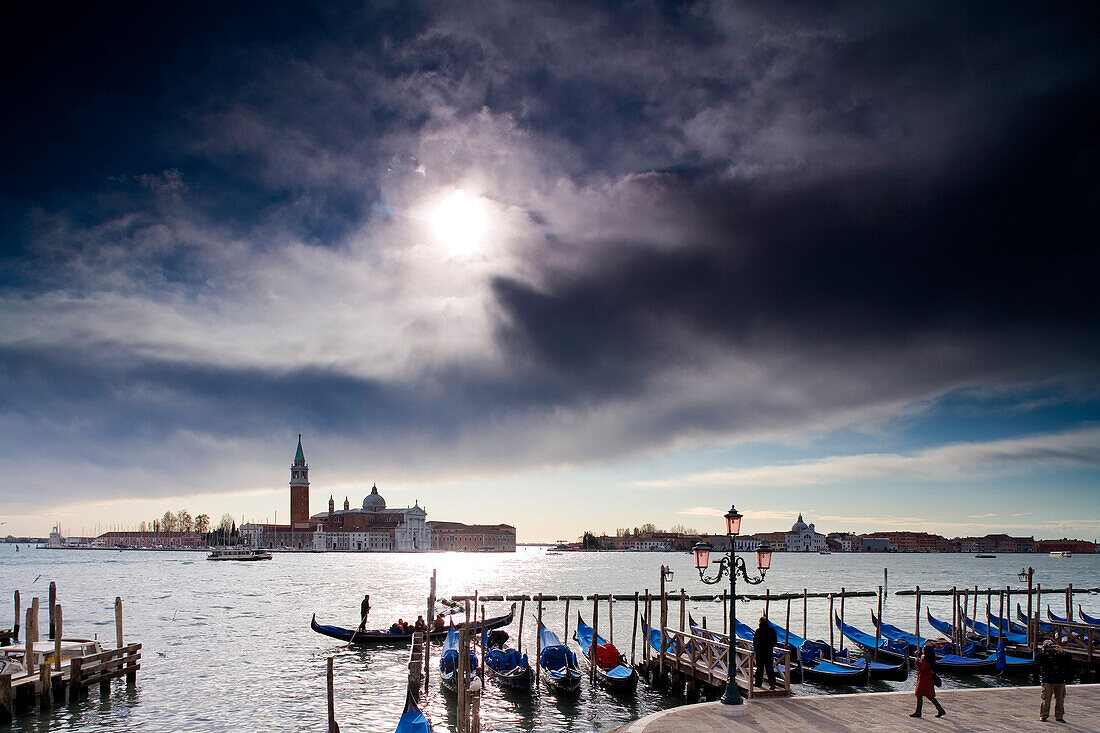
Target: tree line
x,y
224,533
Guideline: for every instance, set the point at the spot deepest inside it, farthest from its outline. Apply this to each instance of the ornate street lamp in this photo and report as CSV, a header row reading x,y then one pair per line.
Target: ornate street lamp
x,y
732,564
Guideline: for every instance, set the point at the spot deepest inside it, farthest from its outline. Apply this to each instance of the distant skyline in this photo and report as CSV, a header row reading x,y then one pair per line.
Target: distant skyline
x,y
562,265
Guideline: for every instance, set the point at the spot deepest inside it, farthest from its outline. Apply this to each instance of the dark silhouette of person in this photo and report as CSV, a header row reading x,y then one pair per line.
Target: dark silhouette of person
x,y
1054,673
764,640
926,687
364,611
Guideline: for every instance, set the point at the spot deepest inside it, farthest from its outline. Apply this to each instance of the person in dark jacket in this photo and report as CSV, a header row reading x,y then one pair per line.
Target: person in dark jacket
x,y
763,645
1054,672
926,686
364,611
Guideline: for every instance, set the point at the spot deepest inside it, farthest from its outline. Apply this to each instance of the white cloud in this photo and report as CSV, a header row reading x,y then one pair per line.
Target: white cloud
x,y
960,461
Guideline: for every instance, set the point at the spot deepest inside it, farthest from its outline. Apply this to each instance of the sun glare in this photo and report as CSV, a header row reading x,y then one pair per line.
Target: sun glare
x,y
460,222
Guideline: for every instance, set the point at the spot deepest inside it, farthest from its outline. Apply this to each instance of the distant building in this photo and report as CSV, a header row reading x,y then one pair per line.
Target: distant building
x,y
776,540
875,544
458,537
804,538
1081,547
842,542
913,541
148,540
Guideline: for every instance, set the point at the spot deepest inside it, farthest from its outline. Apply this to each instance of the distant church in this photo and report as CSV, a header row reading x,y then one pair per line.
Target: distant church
x,y
804,538
372,528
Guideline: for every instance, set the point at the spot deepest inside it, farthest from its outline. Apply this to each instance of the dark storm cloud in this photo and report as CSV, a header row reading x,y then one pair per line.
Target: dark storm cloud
x,y
741,219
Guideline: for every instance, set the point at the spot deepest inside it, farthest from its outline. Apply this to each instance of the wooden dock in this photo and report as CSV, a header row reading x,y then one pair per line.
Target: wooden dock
x,y
51,676
986,710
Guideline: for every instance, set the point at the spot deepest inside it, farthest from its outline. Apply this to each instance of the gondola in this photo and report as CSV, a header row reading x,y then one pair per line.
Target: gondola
x,y
611,669
558,663
998,660
1090,620
946,660
378,636
982,629
1022,617
746,633
822,663
412,719
448,661
505,665
893,650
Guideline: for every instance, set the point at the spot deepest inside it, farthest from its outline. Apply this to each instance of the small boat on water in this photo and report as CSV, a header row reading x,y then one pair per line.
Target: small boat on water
x,y
505,665
558,663
611,669
1061,553
412,719
45,651
243,554
984,555
825,664
448,661
381,636
895,650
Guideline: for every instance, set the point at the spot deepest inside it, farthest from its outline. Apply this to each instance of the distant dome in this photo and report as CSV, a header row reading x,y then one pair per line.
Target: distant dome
x,y
799,526
374,501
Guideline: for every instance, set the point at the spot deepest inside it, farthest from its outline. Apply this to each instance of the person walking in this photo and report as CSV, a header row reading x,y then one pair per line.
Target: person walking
x,y
1054,672
926,682
763,646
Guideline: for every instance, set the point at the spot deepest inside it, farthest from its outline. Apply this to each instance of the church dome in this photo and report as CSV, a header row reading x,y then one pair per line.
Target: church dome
x,y
799,526
374,501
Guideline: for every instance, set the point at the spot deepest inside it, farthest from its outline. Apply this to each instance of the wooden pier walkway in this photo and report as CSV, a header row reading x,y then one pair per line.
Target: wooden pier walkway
x,y
991,709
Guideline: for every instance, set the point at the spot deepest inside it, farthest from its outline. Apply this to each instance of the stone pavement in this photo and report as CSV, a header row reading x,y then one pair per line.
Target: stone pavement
x,y
986,709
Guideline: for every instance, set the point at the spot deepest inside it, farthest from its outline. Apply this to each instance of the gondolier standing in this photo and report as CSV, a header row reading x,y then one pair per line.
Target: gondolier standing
x,y
364,611
763,645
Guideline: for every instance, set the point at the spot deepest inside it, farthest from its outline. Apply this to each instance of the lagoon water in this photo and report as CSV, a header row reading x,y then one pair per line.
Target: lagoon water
x,y
227,646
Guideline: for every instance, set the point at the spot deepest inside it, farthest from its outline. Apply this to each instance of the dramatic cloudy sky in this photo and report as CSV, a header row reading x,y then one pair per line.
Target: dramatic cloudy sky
x,y
564,265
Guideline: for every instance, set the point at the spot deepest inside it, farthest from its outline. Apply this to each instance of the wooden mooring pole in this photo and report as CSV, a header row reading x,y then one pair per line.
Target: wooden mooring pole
x,y
538,641
332,726
804,606
53,602
118,620
917,632
634,631
592,646
15,626
1030,639
832,623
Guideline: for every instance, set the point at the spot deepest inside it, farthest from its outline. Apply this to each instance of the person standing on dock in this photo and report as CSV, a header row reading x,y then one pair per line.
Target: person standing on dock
x,y
1054,671
926,682
364,611
763,645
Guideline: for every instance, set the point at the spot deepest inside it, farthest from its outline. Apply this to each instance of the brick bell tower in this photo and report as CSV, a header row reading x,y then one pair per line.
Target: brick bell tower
x,y
299,487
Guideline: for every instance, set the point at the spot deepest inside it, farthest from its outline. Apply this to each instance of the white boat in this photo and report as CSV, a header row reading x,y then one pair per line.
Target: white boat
x,y
1061,553
243,554
44,651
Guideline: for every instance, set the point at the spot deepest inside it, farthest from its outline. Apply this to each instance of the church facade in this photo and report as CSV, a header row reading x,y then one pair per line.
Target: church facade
x,y
804,538
370,527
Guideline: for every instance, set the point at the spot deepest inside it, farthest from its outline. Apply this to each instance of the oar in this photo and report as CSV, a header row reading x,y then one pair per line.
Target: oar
x,y
356,632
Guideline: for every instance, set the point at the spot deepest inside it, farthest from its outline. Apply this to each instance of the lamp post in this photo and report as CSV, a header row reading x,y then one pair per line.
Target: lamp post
x,y
733,565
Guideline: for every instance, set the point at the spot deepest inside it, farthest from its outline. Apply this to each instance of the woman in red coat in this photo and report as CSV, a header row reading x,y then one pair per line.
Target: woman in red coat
x,y
926,667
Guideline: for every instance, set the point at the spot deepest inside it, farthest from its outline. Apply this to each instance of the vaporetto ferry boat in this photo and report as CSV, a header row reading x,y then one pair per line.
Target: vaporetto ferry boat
x,y
244,554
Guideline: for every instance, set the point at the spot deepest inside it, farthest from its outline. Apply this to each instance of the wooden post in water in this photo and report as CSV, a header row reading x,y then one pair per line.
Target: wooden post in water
x,y
592,646
28,636
332,726
661,627
917,632
831,627
1001,614
767,600
683,608
15,627
1038,605
634,632
57,636
45,698
649,624
787,639
879,631
5,696
461,676
1069,603
805,596
565,634
973,617
431,626
955,619
53,602
832,624
1030,640
538,641
118,620
522,610
610,619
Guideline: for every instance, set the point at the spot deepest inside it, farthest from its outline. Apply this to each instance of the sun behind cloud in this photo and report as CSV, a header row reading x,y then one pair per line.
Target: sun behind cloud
x,y
460,222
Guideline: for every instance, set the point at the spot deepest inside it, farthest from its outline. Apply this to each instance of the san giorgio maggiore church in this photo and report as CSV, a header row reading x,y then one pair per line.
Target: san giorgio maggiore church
x,y
372,527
